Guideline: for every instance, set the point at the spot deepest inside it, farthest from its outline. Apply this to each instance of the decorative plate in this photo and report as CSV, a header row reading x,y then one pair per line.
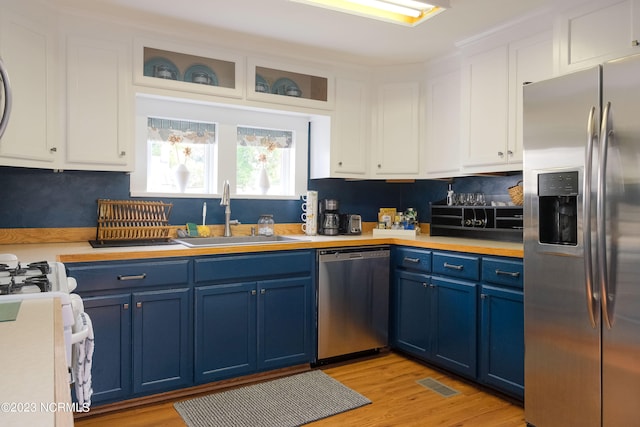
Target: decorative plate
x,y
261,84
201,74
287,87
161,68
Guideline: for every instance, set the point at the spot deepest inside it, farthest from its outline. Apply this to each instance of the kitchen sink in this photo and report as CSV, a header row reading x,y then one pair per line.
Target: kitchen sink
x,y
195,242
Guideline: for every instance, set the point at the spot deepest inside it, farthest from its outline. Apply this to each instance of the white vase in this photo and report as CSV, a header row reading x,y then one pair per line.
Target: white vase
x,y
263,181
182,177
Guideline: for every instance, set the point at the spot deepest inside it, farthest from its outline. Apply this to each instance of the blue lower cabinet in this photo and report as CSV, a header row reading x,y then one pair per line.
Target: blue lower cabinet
x,y
435,320
225,331
111,369
141,343
454,325
502,339
241,328
162,358
284,322
412,301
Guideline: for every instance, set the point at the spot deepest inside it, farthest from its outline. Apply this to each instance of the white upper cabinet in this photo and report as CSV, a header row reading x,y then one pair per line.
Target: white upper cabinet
x,y
442,148
397,140
597,31
530,60
27,47
99,105
339,145
492,101
485,112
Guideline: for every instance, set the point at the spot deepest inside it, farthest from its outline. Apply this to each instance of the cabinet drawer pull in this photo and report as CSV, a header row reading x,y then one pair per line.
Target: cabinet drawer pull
x,y
253,292
134,277
125,306
453,266
263,291
507,273
139,304
411,260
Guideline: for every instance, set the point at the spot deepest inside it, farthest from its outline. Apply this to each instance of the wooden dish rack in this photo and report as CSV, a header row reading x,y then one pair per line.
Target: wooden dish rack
x,y
132,220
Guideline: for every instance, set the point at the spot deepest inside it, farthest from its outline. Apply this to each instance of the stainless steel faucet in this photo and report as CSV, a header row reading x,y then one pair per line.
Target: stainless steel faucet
x,y
226,201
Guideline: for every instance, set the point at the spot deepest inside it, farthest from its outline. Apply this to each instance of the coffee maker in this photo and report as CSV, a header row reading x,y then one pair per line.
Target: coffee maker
x,y
329,217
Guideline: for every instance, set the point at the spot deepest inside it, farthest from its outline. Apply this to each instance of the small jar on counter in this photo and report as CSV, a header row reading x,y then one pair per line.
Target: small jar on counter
x,y
266,225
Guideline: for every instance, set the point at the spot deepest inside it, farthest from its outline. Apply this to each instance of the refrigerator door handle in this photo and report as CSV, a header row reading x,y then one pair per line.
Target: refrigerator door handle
x,y
592,134
605,133
4,77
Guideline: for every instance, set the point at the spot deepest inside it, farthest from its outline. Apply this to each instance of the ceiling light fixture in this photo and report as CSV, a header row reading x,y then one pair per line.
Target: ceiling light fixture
x,y
405,12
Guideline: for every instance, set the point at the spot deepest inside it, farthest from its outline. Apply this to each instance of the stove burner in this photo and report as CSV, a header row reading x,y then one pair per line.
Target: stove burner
x,y
13,279
41,266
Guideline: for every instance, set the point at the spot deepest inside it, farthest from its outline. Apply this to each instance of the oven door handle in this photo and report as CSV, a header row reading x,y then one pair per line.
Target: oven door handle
x,y
77,337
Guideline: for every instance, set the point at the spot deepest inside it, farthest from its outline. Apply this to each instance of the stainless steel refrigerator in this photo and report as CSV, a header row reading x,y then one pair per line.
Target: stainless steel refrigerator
x,y
582,247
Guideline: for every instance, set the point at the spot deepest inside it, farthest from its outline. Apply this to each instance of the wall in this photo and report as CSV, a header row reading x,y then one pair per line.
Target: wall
x,y
38,198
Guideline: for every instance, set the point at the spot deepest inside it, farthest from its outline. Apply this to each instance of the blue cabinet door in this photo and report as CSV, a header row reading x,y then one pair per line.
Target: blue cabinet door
x,y
412,318
284,322
502,339
111,369
454,325
225,331
162,345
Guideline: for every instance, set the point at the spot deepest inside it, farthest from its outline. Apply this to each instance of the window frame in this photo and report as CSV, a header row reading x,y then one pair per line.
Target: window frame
x,y
227,118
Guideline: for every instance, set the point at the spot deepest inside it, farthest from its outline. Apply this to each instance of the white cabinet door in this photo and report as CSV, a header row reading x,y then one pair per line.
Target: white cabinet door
x,y
99,110
339,142
397,154
350,135
530,60
26,47
485,112
597,31
442,149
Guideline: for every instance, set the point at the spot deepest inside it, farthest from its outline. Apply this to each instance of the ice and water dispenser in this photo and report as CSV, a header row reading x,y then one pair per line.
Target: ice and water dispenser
x,y
558,208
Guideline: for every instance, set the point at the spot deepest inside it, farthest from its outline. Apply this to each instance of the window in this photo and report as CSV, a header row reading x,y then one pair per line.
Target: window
x,y
264,161
179,155
262,153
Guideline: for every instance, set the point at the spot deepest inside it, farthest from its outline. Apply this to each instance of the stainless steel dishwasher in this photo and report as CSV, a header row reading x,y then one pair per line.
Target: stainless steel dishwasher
x,y
353,300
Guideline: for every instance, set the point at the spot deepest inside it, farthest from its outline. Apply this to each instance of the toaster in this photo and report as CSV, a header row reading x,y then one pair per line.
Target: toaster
x,y
350,224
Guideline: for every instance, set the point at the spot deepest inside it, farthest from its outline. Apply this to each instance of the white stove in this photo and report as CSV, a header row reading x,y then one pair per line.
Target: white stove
x,y
43,279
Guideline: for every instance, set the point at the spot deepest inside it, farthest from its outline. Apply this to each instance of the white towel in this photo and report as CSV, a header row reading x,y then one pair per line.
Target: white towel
x,y
82,360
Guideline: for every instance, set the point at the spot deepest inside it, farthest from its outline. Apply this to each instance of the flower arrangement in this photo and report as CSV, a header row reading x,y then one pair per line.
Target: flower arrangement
x,y
175,141
269,146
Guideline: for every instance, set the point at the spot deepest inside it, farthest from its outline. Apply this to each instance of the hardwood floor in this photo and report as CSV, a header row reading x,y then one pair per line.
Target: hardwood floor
x,y
389,381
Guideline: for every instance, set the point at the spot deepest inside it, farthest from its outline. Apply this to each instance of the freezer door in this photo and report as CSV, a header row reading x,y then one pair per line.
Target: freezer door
x,y
621,267
562,341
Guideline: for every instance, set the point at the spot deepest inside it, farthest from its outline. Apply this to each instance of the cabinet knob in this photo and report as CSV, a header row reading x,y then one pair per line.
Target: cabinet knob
x,y
139,304
483,296
253,292
635,43
339,163
379,165
424,285
125,306
263,291
123,153
53,149
500,154
510,153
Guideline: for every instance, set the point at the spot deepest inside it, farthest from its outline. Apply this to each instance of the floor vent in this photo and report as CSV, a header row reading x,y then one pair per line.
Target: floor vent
x,y
438,387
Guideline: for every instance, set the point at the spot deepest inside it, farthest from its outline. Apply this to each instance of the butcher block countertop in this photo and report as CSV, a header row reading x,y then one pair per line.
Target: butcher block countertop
x,y
34,390
83,252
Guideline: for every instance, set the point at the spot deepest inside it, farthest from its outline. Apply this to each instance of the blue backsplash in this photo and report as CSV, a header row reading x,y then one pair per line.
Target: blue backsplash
x,y
39,198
